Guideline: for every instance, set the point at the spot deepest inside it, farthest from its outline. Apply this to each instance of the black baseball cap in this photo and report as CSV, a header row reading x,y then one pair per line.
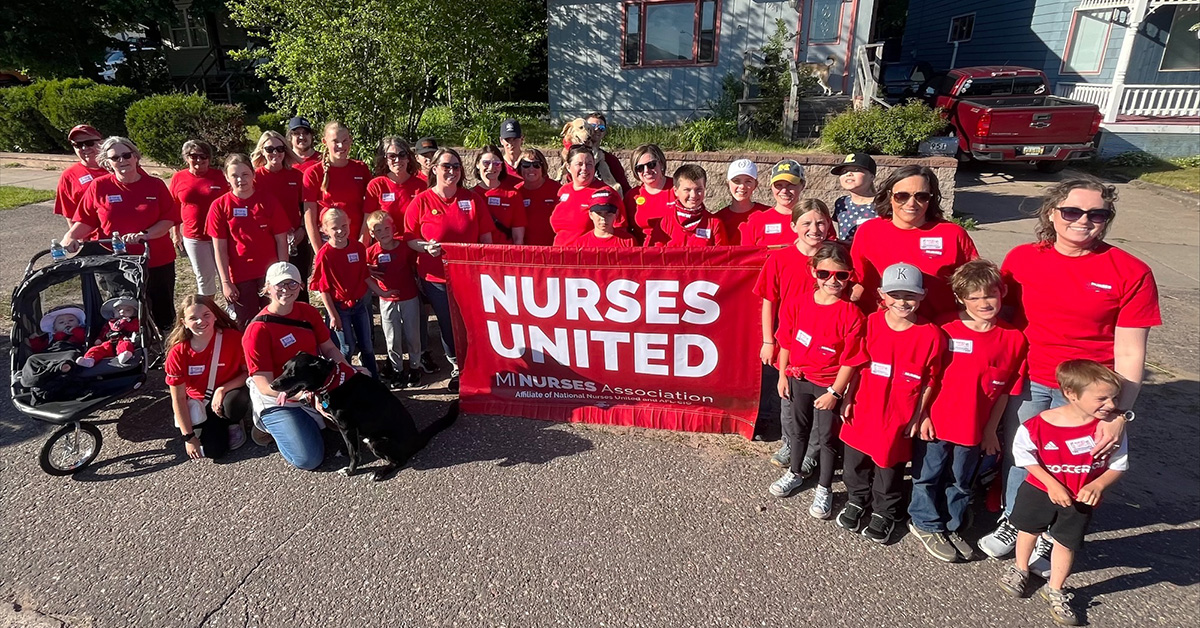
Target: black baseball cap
x,y
426,146
299,123
510,129
855,160
603,208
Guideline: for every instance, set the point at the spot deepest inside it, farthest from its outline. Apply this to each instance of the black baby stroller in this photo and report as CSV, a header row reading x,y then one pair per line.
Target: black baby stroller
x,y
80,284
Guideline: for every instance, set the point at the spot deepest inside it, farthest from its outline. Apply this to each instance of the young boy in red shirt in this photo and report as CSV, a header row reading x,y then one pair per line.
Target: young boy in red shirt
x,y
1065,480
687,223
392,267
340,275
985,365
891,396
603,235
770,227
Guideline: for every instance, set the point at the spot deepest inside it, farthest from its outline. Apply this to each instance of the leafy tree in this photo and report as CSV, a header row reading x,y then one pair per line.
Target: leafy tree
x,y
774,83
375,65
64,38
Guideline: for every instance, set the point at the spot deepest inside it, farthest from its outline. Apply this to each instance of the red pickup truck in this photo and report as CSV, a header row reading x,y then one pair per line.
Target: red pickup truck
x,y
1006,113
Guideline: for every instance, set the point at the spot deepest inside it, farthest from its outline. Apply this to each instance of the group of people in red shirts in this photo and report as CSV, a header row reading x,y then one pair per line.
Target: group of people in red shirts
x,y
883,334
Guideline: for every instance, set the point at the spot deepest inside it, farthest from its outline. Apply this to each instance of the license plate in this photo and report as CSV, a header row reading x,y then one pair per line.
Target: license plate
x,y
1033,150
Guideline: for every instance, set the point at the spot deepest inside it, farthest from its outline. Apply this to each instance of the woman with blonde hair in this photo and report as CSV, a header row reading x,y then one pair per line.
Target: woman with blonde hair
x,y
541,196
338,181
277,175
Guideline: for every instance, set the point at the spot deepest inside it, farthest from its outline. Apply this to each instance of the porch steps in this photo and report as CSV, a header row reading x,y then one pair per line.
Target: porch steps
x,y
813,110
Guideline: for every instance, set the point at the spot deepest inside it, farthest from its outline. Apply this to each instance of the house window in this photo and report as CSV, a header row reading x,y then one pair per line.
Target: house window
x,y
826,27
187,30
1087,41
670,33
1183,44
961,28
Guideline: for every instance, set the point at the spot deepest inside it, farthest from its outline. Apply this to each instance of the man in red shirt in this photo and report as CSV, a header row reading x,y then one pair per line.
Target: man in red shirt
x,y
598,125
301,137
511,141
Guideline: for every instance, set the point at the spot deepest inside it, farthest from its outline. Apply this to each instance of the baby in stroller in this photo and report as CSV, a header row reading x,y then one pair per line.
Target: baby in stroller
x,y
57,350
117,341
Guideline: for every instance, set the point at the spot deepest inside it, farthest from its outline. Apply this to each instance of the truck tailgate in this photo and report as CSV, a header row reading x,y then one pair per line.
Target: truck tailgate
x,y
1030,120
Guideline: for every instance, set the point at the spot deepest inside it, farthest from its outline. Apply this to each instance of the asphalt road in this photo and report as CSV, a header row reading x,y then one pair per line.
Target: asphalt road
x,y
511,522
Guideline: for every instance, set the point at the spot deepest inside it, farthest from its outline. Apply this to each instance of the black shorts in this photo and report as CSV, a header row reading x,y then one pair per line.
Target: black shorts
x,y
1033,512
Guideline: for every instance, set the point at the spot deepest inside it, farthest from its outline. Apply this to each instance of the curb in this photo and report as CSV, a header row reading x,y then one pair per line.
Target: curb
x,y
1176,195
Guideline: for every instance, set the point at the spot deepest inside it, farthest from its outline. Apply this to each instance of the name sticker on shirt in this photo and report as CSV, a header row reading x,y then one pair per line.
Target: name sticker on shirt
x,y
385,258
526,202
352,257
85,179
881,369
240,212
388,197
827,349
494,201
358,178
464,205
1081,445
931,244
287,340
196,369
564,197
1096,286
962,346
775,228
292,183
703,233
803,337
214,187
114,198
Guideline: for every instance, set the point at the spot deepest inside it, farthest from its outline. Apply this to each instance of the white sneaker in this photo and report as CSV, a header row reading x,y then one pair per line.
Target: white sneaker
x,y
86,363
124,357
1039,563
785,485
822,506
1001,541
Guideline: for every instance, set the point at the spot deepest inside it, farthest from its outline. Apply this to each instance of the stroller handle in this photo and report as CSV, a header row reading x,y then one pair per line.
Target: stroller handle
x,y
86,248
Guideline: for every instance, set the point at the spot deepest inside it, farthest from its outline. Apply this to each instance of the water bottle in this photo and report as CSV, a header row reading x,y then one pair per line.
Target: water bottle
x,y
118,245
57,252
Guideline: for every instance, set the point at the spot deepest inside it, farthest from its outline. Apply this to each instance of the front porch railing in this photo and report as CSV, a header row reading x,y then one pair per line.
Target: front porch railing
x,y
1138,100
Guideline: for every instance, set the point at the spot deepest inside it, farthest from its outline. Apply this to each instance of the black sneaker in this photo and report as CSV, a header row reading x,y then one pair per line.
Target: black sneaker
x,y
851,517
879,529
413,378
394,380
427,363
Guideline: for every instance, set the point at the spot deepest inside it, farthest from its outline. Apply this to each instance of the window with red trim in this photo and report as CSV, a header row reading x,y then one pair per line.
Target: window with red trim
x,y
669,32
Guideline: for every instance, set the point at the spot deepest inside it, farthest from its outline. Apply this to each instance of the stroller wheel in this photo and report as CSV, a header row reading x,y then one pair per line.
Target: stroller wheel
x,y
70,449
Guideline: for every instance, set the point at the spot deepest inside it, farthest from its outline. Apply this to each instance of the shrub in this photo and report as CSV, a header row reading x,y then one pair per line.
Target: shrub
x,y
707,134
1187,162
725,107
896,131
1134,158
159,125
23,128
68,102
272,121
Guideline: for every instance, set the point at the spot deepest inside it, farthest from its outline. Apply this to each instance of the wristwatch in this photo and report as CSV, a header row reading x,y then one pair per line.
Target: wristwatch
x,y
189,436
836,395
1128,414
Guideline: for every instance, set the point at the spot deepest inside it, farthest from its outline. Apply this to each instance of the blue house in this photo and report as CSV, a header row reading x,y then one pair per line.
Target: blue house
x,y
1138,60
663,61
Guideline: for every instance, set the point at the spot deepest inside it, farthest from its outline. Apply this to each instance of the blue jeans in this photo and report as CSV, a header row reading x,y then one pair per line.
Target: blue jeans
x,y
296,434
942,471
439,299
356,334
1035,399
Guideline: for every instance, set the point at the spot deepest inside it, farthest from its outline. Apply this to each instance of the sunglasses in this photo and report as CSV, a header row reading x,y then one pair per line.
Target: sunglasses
x,y
396,156
85,143
125,156
197,157
488,163
529,164
921,197
596,127
840,275
271,150
1094,216
649,165
450,167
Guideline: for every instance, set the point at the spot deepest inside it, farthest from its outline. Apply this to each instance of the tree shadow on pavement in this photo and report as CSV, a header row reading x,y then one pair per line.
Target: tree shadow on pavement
x,y
1160,556
508,441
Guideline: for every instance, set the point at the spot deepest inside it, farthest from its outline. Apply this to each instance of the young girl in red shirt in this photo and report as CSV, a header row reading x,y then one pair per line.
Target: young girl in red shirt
x,y
820,346
337,181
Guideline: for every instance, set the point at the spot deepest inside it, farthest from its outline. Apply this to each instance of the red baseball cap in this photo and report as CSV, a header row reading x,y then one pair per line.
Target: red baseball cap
x,y
81,129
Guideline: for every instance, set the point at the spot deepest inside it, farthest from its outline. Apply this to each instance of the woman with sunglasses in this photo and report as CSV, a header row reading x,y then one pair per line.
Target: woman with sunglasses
x,y
911,229
277,174
138,206
581,190
85,141
1076,297
541,196
446,212
647,203
396,182
284,328
505,203
193,191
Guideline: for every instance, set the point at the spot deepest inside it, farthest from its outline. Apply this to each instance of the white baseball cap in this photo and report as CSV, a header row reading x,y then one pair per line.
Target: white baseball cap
x,y
280,272
742,166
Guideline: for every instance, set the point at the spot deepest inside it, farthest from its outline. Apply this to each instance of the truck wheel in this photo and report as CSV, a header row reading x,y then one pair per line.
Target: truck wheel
x,y
1050,166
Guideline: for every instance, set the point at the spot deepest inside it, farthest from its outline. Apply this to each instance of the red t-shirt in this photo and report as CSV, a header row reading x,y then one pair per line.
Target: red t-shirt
x,y
307,163
822,338
109,205
1070,307
571,213
286,186
193,195
767,228
900,364
391,197
620,239
463,218
394,269
347,189
784,276
342,272
189,368
539,205
937,248
980,366
250,225
71,185
268,346
1065,452
708,232
733,221
645,209
507,207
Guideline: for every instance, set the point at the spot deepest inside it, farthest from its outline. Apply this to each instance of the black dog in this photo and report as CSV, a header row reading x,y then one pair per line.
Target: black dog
x,y
363,409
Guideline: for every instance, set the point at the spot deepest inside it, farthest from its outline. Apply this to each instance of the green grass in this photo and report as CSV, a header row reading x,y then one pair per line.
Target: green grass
x,y
12,196
965,221
1181,174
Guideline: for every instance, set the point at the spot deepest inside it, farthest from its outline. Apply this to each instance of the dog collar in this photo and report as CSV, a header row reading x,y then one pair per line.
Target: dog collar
x,y
340,374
